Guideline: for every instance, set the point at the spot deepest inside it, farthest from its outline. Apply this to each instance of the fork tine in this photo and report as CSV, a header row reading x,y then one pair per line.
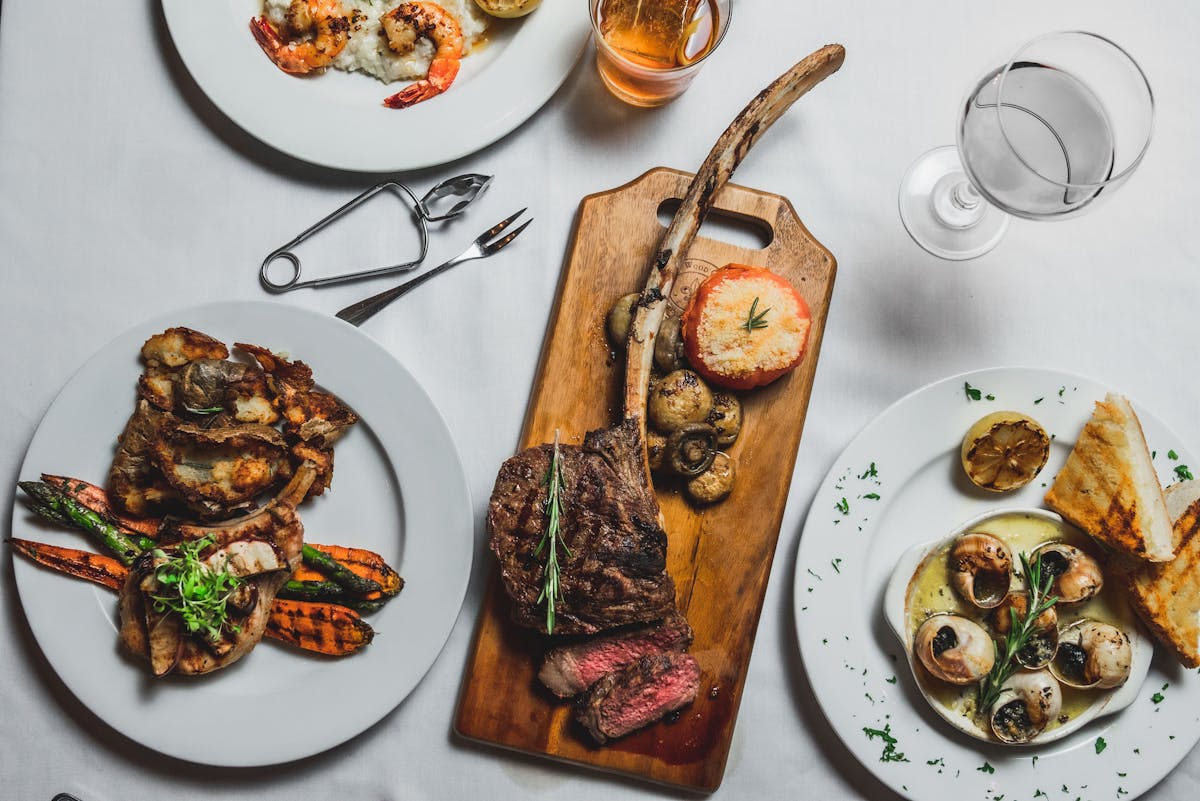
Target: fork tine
x,y
497,228
500,243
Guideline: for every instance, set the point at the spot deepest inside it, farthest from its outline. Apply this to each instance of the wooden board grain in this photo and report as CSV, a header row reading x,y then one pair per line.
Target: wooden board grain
x,y
720,556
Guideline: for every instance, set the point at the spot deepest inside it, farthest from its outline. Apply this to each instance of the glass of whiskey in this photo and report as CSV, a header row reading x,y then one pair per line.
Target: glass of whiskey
x,y
648,51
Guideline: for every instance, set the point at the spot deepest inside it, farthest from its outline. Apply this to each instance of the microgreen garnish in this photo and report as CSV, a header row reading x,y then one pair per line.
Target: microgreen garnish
x,y
1040,600
194,590
756,319
553,509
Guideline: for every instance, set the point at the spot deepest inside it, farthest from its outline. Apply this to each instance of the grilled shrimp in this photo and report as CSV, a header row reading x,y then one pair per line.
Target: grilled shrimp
x,y
408,22
324,26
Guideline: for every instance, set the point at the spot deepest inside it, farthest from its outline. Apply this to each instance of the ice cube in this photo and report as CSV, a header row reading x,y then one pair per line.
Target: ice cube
x,y
652,29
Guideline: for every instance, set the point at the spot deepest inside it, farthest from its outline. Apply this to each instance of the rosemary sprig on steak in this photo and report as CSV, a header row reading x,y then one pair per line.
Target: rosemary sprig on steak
x,y
1038,584
553,509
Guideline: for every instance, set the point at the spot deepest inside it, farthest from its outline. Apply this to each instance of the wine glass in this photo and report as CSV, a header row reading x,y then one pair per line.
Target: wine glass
x,y
1045,136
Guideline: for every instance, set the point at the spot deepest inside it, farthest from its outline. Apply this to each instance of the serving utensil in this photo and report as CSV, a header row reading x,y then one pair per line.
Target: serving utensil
x,y
480,248
465,187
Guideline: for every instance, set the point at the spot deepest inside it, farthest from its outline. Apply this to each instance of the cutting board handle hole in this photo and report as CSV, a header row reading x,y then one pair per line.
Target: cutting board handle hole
x,y
741,230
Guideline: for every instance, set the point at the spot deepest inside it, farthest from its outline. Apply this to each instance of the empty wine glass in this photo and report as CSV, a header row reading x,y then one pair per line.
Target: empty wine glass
x,y
1045,136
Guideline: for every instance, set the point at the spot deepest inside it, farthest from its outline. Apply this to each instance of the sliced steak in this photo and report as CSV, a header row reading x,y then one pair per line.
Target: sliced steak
x,y
616,572
570,669
638,695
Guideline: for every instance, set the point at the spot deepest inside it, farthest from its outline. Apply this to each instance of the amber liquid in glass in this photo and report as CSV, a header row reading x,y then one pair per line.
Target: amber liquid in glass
x,y
649,44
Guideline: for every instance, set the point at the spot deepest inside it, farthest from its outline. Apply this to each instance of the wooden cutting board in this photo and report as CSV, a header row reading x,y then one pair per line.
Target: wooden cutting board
x,y
720,557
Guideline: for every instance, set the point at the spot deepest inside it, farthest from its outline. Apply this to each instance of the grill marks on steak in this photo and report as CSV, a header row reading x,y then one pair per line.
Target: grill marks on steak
x,y
568,670
638,695
616,572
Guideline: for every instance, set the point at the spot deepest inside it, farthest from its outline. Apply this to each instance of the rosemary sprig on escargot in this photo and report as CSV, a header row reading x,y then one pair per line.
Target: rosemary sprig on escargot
x,y
553,509
1022,628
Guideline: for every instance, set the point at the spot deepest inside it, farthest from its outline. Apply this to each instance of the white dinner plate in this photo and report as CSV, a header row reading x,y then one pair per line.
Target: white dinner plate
x,y
854,663
338,119
399,489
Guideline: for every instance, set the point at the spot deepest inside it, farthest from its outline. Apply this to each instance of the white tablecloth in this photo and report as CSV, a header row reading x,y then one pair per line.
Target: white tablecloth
x,y
124,192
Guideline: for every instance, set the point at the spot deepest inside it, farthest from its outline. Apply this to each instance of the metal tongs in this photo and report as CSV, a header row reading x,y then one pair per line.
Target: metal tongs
x,y
465,187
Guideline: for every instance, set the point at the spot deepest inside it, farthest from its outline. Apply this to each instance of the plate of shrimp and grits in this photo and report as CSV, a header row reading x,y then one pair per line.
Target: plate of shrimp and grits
x,y
384,86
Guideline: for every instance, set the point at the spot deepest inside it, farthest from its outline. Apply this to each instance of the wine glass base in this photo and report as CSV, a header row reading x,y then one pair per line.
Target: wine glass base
x,y
946,239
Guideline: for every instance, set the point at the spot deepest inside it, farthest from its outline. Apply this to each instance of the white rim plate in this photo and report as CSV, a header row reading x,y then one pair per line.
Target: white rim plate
x,y
338,120
852,659
399,489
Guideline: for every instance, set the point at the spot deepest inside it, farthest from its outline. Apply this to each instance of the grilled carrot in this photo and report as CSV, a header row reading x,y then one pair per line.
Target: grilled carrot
x,y
367,564
324,628
96,498
321,627
96,568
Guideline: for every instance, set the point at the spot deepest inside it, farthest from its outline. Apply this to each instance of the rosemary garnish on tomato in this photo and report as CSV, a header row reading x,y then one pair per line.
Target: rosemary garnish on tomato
x,y
756,319
550,537
193,590
1038,584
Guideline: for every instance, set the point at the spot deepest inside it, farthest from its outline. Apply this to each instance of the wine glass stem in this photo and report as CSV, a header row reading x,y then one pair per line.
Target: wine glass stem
x,y
956,203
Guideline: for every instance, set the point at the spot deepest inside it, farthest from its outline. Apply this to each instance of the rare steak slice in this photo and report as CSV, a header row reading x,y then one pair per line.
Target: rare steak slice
x,y
638,695
615,573
570,669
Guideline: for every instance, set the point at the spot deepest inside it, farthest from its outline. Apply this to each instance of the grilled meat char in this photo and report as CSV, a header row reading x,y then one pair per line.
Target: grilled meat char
x,y
570,669
615,573
639,694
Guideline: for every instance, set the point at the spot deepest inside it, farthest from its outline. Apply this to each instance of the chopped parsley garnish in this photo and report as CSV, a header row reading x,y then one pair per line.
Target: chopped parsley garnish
x,y
986,767
872,496
1100,745
843,506
835,564
1157,698
1039,400
1181,470
892,680
870,472
1172,455
940,761
989,397
889,754
971,392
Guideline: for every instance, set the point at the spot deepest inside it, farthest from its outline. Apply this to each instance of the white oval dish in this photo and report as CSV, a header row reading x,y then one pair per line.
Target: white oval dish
x,y
896,613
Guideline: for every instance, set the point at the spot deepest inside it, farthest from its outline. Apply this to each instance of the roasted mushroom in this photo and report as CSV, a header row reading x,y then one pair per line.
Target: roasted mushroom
x,y
726,418
692,449
668,347
619,318
656,450
715,483
678,399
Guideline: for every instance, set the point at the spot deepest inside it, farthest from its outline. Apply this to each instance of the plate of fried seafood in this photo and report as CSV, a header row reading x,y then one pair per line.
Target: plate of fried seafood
x,y
1010,553
379,85
184,543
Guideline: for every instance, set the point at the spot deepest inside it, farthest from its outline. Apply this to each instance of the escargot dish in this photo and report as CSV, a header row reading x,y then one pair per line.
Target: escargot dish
x,y
1012,634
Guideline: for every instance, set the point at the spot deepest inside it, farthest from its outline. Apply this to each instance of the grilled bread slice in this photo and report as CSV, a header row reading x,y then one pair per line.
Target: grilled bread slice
x,y
1167,595
1109,487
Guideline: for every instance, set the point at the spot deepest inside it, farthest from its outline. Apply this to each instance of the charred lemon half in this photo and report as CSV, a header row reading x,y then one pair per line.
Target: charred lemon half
x,y
1004,451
